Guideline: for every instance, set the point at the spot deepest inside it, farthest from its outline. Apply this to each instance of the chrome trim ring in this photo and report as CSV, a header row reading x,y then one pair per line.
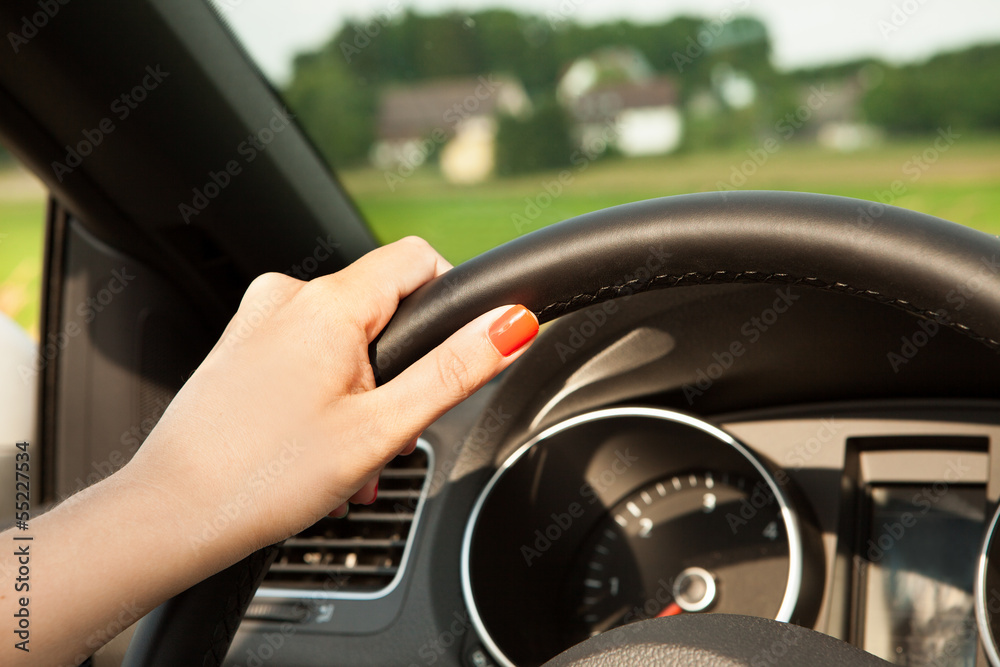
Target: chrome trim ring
x,y
707,597
986,637
795,552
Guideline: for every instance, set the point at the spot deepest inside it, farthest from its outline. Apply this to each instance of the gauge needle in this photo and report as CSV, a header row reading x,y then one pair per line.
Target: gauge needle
x,y
671,609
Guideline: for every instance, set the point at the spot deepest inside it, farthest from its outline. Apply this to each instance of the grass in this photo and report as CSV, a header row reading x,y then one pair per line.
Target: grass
x,y
22,211
962,184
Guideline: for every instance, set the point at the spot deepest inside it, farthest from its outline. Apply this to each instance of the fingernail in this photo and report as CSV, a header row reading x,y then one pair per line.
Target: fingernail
x,y
339,513
513,330
374,495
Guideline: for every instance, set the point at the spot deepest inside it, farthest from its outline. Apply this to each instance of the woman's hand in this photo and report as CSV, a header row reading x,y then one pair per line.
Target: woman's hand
x,y
282,423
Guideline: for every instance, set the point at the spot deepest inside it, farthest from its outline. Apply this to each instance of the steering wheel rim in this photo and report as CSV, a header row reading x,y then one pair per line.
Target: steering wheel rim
x,y
713,640
840,244
927,266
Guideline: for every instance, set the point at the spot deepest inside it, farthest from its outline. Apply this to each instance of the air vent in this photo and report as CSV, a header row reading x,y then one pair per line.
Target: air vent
x,y
360,555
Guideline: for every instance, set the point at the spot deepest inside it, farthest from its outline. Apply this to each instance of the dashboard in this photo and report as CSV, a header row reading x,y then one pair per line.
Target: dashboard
x,y
869,529
685,452
625,514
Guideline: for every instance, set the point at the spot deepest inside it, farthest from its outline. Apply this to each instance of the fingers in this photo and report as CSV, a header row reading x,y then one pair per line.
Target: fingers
x,y
388,274
367,494
262,298
410,448
454,370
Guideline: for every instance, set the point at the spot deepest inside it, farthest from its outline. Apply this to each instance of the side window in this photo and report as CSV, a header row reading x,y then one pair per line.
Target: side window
x,y
22,233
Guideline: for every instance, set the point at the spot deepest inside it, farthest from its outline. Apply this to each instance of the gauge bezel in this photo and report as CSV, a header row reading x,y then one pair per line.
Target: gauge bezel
x,y
793,530
986,638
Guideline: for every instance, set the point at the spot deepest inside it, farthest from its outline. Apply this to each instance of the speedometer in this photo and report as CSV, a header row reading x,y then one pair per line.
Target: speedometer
x,y
625,514
702,541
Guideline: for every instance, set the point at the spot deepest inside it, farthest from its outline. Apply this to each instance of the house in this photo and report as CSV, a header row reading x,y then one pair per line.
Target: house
x,y
840,123
617,89
454,118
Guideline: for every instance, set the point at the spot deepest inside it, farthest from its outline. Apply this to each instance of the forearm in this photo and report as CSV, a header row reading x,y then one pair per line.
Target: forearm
x,y
100,561
279,426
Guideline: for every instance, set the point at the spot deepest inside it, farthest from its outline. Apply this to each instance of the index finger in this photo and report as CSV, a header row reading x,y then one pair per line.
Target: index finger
x,y
389,274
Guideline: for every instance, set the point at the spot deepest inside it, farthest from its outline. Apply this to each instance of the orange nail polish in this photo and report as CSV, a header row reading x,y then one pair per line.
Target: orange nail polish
x,y
513,330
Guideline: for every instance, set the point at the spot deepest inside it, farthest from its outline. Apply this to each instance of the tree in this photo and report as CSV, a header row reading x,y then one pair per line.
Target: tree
x,y
334,105
541,141
953,89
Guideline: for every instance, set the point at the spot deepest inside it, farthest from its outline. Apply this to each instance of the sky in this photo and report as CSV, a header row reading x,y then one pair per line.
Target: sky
x,y
803,32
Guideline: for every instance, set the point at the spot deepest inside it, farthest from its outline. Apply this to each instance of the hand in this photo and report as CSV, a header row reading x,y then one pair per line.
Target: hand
x,y
282,423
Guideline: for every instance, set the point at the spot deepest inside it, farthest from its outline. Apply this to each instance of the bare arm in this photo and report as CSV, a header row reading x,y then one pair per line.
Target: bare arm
x,y
279,426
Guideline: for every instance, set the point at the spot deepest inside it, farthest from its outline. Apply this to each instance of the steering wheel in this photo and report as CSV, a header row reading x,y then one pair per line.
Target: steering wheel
x,y
894,256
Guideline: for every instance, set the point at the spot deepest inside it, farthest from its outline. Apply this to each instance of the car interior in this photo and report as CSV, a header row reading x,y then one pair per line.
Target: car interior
x,y
758,427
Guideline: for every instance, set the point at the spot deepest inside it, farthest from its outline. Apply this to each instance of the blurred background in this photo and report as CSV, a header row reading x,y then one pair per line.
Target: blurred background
x,y
471,123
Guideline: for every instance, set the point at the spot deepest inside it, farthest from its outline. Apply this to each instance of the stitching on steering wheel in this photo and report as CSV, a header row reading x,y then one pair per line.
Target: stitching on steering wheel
x,y
638,285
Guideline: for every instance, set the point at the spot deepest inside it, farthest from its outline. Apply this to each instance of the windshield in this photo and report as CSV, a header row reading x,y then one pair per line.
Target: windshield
x,y
471,123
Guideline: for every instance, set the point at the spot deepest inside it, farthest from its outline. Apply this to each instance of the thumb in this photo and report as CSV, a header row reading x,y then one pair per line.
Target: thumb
x,y
456,369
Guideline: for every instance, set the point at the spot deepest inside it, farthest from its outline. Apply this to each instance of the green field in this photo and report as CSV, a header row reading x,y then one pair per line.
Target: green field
x,y
21,259
962,184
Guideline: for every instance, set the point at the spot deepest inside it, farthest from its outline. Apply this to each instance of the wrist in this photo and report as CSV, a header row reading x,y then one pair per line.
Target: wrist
x,y
205,517
175,504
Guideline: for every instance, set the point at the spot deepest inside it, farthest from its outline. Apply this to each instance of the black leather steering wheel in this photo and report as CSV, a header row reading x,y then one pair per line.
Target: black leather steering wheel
x,y
897,257
713,640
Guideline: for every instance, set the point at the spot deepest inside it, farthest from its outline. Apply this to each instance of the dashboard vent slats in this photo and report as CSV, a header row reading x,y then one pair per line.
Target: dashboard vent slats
x,y
361,553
